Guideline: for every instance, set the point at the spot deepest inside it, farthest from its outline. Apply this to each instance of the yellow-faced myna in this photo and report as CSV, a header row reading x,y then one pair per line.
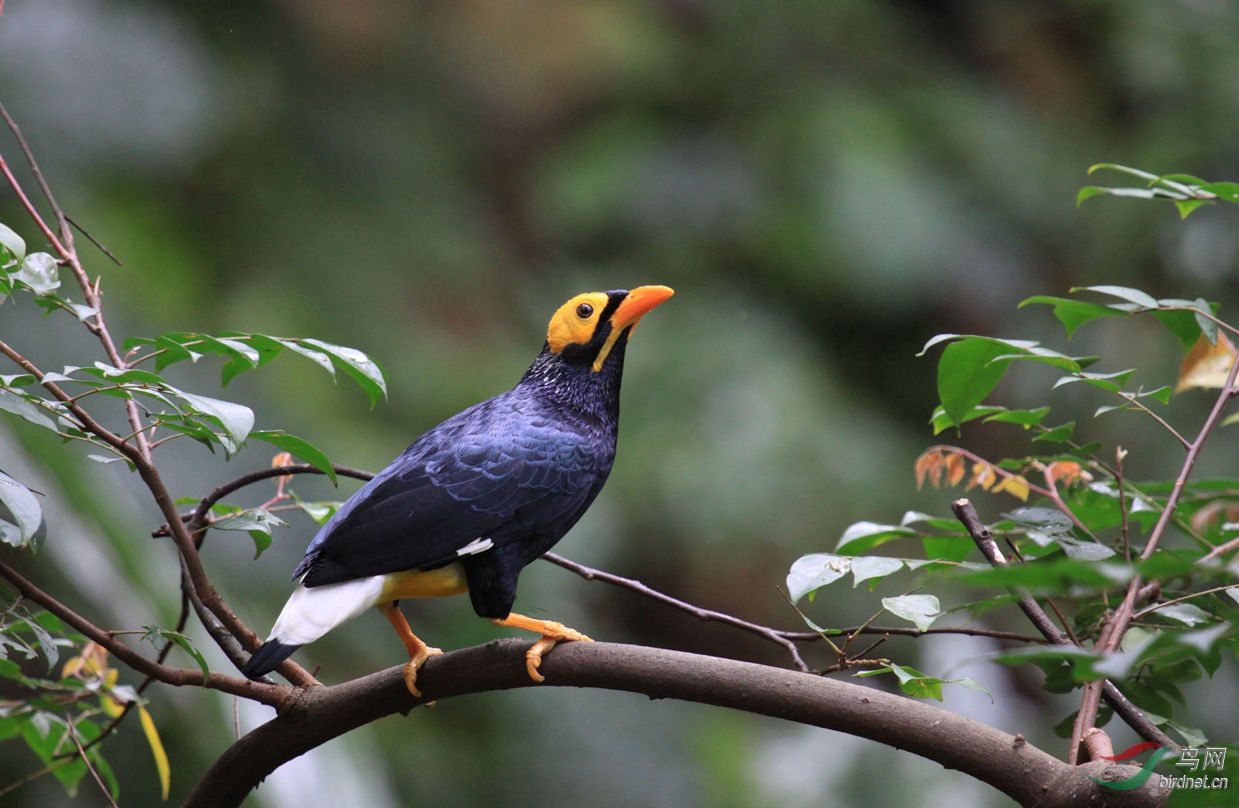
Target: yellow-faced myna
x,y
478,497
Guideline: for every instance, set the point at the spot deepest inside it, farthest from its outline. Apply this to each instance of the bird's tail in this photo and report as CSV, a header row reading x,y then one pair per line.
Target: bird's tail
x,y
267,658
309,614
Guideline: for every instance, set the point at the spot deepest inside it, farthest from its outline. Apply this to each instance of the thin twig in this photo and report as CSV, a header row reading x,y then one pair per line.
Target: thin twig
x,y
90,767
93,240
984,540
275,695
591,574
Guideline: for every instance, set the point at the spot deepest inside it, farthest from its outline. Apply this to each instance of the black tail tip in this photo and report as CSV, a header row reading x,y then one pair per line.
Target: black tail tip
x,y
267,658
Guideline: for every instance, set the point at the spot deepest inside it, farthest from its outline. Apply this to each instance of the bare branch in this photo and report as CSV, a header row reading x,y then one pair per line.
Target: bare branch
x,y
591,574
1006,762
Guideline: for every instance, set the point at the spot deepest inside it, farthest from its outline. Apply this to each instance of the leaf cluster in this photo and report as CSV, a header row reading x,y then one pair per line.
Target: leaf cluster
x,y
1084,541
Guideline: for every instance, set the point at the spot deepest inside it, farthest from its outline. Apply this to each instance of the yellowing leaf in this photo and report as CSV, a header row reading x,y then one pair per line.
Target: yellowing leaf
x,y
1015,486
1207,365
92,664
982,475
112,706
157,750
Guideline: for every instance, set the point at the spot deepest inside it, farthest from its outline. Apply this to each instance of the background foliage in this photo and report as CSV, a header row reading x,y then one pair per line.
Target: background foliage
x,y
825,185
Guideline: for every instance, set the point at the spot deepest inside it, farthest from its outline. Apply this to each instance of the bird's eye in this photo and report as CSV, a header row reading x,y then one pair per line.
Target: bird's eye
x,y
584,311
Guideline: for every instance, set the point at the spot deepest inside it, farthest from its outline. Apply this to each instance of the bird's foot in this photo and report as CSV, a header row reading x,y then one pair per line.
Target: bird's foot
x,y
415,664
551,632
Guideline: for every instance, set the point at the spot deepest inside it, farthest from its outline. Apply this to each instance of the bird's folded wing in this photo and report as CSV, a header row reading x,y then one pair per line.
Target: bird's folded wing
x,y
460,483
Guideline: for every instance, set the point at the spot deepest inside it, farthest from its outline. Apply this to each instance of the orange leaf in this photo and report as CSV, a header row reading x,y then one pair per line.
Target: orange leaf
x,y
1207,365
955,468
929,465
1069,472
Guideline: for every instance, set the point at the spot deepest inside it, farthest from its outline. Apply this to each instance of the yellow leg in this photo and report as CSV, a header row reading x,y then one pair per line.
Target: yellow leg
x,y
551,632
419,651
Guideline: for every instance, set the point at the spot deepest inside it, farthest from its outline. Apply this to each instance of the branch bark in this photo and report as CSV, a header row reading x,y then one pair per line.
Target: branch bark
x,y
1009,763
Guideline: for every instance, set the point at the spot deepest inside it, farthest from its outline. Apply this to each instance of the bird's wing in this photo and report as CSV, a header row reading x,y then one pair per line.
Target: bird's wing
x,y
487,473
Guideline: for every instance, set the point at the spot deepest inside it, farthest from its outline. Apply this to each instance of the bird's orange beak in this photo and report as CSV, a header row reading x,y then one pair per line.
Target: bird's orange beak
x,y
638,304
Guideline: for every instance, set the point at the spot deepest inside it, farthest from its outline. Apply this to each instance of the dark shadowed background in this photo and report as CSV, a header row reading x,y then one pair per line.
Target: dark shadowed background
x,y
826,186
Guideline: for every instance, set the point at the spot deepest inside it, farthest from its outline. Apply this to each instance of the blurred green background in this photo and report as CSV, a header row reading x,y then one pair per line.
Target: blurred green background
x,y
826,186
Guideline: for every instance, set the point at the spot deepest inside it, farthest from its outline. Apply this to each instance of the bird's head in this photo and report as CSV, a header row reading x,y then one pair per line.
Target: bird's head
x,y
586,328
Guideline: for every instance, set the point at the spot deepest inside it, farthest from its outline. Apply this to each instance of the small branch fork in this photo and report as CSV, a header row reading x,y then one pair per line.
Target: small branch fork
x,y
984,539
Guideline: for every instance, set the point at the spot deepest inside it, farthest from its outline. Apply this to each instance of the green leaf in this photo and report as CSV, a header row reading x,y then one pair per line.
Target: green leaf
x,y
941,422
235,419
1110,382
863,536
921,610
1141,299
1073,313
1135,172
1185,325
21,516
357,365
812,572
1056,573
40,273
1090,191
255,521
317,357
916,684
320,512
950,548
1184,613
967,373
185,645
24,406
13,243
1186,206
1208,326
1228,191
1024,418
867,567
1063,433
298,448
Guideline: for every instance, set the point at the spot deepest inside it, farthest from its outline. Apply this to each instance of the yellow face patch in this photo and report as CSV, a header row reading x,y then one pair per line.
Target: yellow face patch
x,y
575,321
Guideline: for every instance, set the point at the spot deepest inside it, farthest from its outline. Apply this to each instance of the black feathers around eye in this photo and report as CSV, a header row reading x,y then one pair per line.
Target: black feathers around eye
x,y
584,310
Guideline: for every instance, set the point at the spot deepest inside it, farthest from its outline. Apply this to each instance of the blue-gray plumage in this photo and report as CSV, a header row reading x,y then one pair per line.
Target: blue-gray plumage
x,y
478,497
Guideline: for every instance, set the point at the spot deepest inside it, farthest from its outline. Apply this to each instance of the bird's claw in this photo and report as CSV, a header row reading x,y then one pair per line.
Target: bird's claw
x,y
415,664
533,657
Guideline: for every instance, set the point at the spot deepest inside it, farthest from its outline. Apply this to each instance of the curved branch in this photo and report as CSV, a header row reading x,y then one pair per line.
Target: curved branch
x,y
179,677
1008,763
199,518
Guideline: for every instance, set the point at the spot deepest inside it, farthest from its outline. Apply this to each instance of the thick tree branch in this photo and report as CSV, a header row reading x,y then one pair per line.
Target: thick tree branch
x,y
1008,763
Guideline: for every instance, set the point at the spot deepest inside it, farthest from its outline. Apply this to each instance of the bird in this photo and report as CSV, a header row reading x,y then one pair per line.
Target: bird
x,y
477,498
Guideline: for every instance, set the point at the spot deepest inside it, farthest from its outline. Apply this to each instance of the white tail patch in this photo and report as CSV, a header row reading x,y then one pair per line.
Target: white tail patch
x,y
313,611
476,546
